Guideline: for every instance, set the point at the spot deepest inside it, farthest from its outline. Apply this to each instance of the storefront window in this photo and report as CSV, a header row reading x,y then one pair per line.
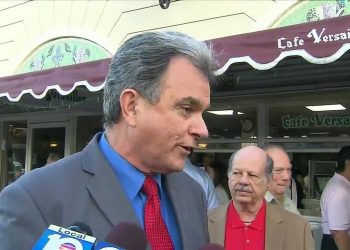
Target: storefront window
x,y
87,127
229,127
224,145
16,150
47,140
241,123
313,146
295,120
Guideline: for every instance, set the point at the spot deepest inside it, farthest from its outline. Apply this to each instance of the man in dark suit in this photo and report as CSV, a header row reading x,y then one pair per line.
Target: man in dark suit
x,y
156,91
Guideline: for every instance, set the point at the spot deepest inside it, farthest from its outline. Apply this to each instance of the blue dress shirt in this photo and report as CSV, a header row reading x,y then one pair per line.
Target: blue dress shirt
x,y
131,180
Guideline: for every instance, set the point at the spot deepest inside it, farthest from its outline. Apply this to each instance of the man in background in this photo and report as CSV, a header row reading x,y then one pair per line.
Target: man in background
x,y
208,159
335,206
248,221
52,157
203,179
280,179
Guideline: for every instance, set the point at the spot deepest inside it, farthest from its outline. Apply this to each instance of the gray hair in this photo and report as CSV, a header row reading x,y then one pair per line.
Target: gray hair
x,y
268,168
274,146
141,62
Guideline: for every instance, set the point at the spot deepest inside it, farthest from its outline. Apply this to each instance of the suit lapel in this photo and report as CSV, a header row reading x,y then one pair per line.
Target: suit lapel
x,y
187,217
180,207
104,187
275,231
217,224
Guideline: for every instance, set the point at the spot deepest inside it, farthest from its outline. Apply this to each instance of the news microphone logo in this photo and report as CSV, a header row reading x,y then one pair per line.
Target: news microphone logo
x,y
107,246
59,238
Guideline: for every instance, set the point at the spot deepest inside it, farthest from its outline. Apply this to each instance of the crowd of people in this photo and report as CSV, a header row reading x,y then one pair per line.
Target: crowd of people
x,y
155,93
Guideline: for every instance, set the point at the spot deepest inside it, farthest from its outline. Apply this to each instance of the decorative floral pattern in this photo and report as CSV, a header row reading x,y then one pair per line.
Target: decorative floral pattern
x,y
58,57
313,10
80,54
37,63
62,52
326,10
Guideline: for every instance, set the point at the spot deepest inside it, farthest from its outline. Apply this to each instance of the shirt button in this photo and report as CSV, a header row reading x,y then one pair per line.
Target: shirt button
x,y
248,241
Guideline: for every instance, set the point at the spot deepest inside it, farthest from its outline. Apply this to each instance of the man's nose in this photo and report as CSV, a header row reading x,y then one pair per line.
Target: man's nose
x,y
286,175
199,128
244,180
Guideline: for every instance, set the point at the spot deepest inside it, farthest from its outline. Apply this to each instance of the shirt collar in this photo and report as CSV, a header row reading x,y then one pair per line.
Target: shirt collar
x,y
258,223
130,178
269,197
236,221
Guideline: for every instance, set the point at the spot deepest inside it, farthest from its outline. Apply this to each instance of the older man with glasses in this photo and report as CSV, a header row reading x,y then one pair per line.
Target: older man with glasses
x,y
248,221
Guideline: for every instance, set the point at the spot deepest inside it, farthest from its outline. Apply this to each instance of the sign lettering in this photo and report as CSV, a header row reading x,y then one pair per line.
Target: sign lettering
x,y
318,37
315,120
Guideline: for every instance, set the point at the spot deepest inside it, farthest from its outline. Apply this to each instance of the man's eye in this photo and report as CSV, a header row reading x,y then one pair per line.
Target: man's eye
x,y
253,176
187,109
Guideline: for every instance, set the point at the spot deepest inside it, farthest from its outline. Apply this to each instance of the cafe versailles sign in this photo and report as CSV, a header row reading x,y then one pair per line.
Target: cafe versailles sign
x,y
318,35
316,120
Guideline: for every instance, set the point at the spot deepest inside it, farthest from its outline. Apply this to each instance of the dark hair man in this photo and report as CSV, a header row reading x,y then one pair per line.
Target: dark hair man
x,y
155,94
335,206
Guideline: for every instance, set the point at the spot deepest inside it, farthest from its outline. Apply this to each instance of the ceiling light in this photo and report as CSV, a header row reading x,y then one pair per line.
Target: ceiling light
x,y
319,133
326,107
53,144
202,145
222,112
240,113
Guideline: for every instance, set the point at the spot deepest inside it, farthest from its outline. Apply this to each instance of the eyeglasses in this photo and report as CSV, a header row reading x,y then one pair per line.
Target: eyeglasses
x,y
237,175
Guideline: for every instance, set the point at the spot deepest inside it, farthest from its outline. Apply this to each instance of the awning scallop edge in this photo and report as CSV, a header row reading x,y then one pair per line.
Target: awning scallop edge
x,y
63,79
318,42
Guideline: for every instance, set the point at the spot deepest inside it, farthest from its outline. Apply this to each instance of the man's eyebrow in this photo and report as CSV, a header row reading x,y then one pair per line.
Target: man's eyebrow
x,y
282,167
192,101
253,172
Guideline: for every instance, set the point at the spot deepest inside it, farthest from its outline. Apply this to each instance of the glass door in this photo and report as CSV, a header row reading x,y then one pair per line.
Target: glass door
x,y
47,142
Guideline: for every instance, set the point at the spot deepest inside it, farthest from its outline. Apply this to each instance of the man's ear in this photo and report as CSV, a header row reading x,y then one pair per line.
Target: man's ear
x,y
128,105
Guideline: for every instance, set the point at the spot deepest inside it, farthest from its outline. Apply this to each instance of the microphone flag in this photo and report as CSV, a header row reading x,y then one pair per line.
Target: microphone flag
x,y
59,238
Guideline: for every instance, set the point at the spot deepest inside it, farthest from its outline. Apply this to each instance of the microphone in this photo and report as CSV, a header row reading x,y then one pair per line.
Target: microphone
x,y
128,235
212,246
123,236
55,237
